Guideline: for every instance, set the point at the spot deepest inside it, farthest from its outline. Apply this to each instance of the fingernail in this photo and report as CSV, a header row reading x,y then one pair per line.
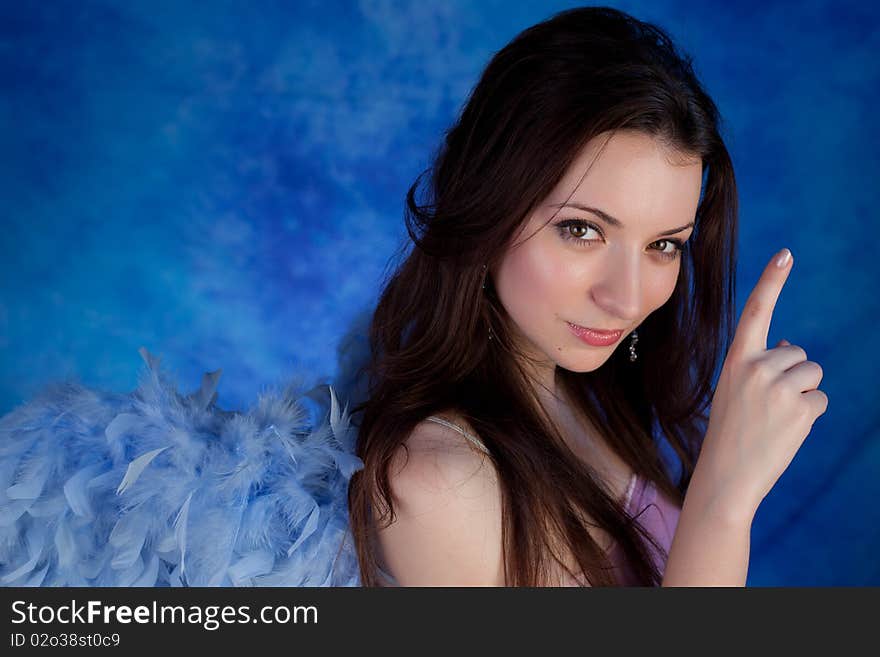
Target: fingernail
x,y
783,258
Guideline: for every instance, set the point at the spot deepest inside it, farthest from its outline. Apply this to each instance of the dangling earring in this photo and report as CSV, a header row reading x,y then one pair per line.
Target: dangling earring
x,y
634,338
484,287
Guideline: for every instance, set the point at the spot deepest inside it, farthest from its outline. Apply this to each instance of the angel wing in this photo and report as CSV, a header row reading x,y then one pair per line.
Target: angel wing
x,y
155,488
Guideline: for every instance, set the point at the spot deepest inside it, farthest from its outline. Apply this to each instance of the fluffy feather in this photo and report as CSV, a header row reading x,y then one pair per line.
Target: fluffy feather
x,y
155,488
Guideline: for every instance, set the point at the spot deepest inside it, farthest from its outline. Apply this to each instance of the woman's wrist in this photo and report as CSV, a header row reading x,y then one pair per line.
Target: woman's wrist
x,y
713,493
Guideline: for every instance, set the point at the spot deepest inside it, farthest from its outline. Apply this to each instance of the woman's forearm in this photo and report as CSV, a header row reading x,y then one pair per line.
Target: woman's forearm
x,y
711,543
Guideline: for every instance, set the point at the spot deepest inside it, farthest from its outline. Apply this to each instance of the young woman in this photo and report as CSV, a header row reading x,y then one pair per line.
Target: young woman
x,y
542,361
541,370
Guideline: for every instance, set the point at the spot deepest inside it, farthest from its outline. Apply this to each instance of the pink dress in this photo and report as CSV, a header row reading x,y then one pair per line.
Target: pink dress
x,y
653,510
657,514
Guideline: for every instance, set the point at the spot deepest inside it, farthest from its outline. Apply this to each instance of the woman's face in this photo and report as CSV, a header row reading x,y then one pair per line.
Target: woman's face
x,y
584,269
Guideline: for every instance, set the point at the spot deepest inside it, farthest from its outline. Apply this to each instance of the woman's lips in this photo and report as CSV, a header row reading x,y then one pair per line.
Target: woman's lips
x,y
595,337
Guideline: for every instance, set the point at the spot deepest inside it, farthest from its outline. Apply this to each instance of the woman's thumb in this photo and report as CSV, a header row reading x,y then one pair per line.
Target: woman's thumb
x,y
783,342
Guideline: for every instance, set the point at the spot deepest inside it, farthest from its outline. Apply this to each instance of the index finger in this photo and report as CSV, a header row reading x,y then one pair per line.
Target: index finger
x,y
754,324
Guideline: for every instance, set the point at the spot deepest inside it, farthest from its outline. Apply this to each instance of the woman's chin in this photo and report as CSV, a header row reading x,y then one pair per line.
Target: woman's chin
x,y
582,364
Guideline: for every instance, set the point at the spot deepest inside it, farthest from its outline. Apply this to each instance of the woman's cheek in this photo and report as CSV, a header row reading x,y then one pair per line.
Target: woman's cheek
x,y
664,287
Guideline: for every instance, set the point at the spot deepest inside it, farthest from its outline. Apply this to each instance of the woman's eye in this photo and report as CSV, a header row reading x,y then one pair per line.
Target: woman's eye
x,y
576,230
670,253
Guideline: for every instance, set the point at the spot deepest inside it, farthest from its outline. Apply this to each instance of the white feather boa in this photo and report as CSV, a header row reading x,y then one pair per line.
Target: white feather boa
x,y
155,488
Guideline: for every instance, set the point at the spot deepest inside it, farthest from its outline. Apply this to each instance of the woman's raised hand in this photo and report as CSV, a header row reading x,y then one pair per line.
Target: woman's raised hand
x,y
764,405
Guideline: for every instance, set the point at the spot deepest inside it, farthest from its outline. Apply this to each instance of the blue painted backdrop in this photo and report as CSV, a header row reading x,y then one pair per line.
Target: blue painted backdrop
x,y
224,185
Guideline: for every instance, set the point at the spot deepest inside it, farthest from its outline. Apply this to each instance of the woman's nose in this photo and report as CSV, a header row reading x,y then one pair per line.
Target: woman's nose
x,y
618,290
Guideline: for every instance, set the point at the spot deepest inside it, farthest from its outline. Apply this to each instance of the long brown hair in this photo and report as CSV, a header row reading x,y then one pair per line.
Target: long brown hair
x,y
541,98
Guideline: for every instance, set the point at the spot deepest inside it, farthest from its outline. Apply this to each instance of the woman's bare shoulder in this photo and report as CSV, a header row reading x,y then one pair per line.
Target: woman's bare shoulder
x,y
448,511
443,456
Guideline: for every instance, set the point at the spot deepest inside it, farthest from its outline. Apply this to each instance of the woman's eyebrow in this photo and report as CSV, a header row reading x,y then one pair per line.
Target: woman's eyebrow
x,y
604,216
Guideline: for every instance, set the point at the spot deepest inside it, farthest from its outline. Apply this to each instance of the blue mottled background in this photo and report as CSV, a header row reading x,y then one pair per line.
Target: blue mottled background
x,y
223,183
